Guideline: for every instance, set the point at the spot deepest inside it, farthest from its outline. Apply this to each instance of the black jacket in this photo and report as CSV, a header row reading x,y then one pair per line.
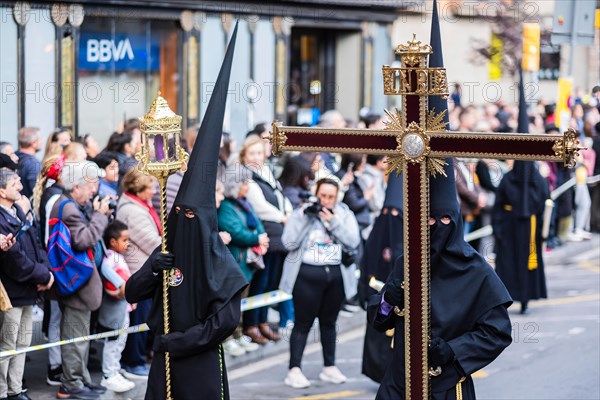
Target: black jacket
x,y
24,265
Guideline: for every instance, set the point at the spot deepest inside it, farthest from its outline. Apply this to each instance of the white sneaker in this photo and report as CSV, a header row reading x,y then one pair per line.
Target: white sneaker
x,y
232,348
573,237
296,379
332,374
117,383
585,235
246,343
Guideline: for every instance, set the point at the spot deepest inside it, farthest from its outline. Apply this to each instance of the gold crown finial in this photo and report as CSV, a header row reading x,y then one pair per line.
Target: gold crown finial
x,y
414,46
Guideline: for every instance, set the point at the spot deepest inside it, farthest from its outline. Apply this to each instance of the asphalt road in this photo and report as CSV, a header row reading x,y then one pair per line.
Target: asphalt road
x,y
555,353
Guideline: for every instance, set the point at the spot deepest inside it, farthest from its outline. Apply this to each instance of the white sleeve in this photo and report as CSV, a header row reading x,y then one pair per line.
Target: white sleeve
x,y
265,210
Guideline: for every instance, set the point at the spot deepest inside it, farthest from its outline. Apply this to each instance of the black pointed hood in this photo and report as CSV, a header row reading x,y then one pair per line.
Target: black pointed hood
x,y
208,275
523,181
442,190
198,185
457,270
384,248
394,191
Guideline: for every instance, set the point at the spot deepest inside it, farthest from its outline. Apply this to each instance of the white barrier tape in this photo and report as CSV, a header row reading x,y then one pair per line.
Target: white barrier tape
x,y
133,329
250,303
479,233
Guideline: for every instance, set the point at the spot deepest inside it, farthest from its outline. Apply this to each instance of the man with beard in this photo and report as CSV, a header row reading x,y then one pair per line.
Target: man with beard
x,y
384,245
517,220
470,326
205,280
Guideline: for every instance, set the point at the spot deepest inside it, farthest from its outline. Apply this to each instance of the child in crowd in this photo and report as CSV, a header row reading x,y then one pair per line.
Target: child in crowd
x,y
114,313
109,184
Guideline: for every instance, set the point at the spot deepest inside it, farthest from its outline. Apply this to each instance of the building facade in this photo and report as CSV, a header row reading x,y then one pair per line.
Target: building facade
x,y
90,65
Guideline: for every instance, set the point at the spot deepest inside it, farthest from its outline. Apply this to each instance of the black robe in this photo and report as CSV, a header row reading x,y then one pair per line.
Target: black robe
x,y
383,246
468,311
512,224
197,361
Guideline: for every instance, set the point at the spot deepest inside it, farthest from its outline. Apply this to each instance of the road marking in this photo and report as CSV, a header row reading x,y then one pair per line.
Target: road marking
x,y
282,358
576,331
589,266
564,300
335,395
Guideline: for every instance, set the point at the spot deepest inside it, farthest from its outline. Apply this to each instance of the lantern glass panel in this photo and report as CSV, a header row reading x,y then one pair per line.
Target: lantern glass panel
x,y
159,148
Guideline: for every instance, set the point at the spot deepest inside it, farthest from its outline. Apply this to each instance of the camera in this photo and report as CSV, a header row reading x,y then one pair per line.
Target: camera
x,y
112,203
315,207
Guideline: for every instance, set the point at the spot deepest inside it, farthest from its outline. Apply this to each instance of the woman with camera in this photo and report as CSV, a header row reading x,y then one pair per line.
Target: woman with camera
x,y
317,271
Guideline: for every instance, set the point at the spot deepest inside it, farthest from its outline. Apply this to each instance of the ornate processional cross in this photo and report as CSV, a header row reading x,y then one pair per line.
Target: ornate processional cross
x,y
416,143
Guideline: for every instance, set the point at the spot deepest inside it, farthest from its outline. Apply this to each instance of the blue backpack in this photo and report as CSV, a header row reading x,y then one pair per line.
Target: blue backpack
x,y
71,269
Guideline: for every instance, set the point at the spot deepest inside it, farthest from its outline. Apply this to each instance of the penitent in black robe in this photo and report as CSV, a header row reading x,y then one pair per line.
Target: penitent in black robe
x,y
197,362
519,259
383,245
382,248
468,310
468,301
206,281
517,219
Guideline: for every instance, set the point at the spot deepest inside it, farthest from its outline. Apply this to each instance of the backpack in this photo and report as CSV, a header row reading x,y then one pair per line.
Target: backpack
x,y
71,269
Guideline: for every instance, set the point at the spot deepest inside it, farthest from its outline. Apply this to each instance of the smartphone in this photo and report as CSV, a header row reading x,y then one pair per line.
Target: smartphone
x,y
21,230
350,167
24,227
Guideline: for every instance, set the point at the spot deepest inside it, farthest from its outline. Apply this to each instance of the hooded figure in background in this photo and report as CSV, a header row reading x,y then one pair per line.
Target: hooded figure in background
x,y
384,246
205,281
470,326
517,220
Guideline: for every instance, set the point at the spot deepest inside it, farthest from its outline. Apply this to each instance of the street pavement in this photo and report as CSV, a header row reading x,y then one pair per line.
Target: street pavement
x,y
555,354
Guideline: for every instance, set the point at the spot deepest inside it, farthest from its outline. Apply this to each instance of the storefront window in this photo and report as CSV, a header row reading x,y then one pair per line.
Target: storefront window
x,y
122,64
9,80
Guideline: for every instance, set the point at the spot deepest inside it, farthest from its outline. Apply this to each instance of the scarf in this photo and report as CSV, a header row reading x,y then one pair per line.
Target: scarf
x,y
251,218
150,209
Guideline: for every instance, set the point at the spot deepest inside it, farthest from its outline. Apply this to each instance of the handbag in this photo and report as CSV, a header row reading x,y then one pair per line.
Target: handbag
x,y
349,256
5,303
71,269
254,258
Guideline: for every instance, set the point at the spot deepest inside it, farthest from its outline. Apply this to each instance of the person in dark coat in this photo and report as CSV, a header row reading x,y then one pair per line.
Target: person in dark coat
x,y
470,325
205,281
517,220
384,245
25,273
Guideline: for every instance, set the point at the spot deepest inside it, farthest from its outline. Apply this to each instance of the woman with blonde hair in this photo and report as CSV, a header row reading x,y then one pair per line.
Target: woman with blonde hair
x,y
57,141
265,194
46,191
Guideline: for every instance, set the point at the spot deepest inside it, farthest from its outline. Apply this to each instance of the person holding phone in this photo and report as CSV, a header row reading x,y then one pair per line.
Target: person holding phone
x,y
316,235
25,273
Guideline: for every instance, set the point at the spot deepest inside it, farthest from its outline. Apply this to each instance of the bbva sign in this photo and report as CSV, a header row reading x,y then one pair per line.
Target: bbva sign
x,y
106,50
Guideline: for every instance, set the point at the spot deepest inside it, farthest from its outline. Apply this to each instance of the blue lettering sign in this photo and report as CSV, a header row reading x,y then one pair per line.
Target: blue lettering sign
x,y
104,52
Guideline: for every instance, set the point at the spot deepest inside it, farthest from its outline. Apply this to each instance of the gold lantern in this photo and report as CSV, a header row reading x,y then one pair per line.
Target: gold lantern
x,y
161,156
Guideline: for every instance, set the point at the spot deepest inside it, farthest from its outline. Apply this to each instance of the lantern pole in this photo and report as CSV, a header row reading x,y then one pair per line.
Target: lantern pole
x,y
155,159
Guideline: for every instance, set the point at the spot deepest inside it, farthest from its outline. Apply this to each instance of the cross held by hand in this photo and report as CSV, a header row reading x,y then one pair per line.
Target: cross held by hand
x,y
416,143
